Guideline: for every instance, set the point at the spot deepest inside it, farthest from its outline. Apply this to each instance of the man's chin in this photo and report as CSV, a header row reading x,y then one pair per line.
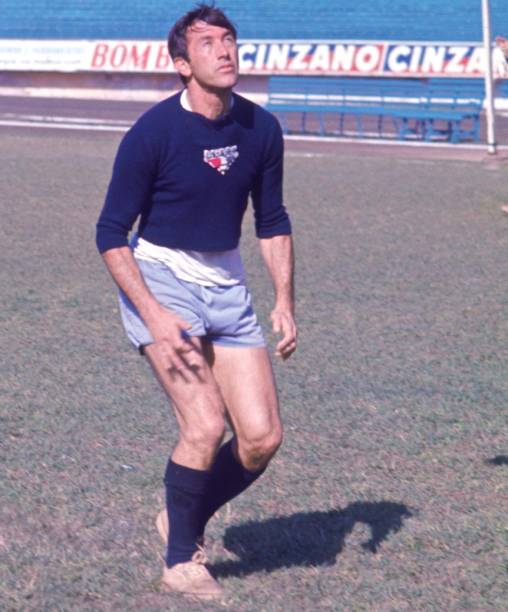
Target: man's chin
x,y
220,82
227,80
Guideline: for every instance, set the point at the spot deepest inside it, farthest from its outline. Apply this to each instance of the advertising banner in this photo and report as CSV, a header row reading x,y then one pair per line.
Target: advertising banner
x,y
43,55
257,57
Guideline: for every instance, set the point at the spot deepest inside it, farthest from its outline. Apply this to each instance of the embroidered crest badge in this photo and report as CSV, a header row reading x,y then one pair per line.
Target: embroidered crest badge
x,y
221,159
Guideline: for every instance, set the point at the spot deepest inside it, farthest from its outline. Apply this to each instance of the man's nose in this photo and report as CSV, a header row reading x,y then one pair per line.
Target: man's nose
x,y
222,50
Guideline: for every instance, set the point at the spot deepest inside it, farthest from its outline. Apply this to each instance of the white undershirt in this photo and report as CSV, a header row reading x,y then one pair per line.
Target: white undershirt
x,y
207,268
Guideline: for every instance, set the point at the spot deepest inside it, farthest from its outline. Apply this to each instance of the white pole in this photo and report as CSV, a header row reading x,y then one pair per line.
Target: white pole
x,y
489,80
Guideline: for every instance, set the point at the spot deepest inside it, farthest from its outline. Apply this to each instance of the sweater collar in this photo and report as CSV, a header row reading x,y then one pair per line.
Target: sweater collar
x,y
184,101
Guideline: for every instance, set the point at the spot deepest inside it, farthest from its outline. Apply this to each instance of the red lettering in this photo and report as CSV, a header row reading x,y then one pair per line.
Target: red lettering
x,y
99,55
130,56
162,60
118,56
140,60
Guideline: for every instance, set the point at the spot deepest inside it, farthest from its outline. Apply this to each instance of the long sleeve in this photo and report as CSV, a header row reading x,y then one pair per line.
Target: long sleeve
x,y
271,218
129,191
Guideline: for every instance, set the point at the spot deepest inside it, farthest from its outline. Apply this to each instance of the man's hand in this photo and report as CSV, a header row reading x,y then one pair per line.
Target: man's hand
x,y
277,253
176,350
283,323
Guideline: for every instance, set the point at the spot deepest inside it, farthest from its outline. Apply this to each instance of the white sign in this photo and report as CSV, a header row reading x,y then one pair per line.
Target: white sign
x,y
359,58
43,55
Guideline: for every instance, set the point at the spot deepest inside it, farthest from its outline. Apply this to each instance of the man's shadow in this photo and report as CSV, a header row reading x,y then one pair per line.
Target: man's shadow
x,y
306,538
498,460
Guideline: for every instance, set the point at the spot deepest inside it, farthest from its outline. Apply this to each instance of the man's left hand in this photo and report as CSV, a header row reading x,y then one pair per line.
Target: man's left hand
x,y
283,323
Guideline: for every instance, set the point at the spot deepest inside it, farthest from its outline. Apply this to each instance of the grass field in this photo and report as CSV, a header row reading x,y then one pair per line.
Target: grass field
x,y
390,491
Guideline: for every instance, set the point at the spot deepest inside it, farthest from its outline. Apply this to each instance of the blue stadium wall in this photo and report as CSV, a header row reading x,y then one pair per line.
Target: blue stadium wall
x,y
427,20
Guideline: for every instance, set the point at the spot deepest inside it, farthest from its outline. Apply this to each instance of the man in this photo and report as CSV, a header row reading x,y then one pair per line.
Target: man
x,y
186,169
502,43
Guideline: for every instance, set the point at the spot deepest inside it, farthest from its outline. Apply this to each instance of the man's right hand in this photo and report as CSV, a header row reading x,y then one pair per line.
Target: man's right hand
x,y
176,350
171,342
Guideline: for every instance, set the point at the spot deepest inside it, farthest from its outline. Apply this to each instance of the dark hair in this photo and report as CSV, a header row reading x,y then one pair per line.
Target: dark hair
x,y
177,38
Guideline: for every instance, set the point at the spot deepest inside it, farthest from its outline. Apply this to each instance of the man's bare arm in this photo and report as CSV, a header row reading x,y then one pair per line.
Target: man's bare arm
x,y
165,326
278,256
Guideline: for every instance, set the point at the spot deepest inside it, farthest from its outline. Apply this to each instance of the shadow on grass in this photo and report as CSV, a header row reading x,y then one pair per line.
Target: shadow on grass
x,y
499,460
306,538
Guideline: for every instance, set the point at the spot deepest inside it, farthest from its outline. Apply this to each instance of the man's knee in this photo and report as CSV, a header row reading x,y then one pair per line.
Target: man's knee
x,y
257,448
205,436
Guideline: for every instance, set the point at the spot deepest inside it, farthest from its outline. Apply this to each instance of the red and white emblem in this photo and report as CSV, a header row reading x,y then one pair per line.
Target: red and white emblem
x,y
221,159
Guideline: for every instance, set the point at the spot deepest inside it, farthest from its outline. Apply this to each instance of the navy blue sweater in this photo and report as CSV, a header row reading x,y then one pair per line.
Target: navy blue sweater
x,y
189,178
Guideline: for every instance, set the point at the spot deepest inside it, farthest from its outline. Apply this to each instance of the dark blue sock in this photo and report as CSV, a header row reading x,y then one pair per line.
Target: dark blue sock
x,y
185,495
228,478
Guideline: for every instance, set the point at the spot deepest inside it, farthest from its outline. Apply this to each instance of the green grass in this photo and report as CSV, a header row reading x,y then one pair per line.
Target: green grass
x,y
389,492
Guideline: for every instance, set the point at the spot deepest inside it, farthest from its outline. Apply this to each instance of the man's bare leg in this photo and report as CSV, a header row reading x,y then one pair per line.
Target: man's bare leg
x,y
246,382
198,405
200,411
245,378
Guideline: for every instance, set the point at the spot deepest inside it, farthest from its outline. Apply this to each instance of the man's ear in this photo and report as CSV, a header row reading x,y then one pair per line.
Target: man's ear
x,y
182,67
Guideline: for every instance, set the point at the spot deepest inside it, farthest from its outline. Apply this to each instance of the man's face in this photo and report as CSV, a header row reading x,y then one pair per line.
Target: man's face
x,y
213,56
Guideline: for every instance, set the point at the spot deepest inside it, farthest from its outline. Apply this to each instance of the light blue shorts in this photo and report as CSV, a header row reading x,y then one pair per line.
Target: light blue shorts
x,y
220,315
